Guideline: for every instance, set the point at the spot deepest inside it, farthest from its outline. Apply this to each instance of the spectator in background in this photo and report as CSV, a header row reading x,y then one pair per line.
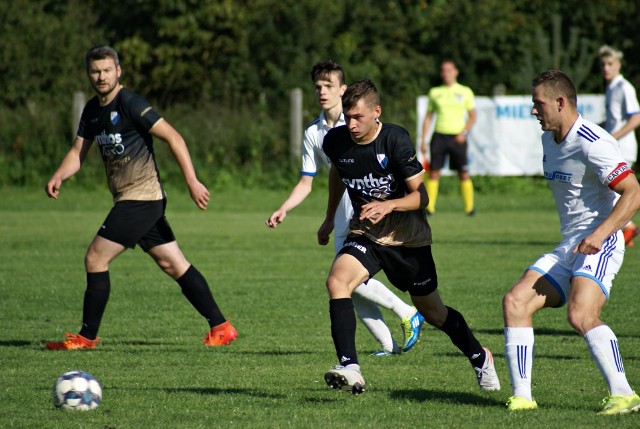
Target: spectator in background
x,y
623,115
454,106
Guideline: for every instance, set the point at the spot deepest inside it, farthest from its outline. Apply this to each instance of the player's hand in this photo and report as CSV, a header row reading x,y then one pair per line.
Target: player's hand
x,y
53,187
460,138
589,245
375,211
276,218
325,232
423,150
200,195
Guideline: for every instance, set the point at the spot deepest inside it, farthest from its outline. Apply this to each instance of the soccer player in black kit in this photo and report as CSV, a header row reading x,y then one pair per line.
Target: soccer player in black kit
x,y
389,231
123,125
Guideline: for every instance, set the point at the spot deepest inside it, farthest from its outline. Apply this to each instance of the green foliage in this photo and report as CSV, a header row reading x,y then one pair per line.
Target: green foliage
x,y
243,58
574,57
41,48
270,283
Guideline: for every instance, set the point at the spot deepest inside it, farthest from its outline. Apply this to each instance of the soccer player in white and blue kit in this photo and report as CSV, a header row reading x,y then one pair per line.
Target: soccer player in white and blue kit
x,y
329,81
623,115
596,194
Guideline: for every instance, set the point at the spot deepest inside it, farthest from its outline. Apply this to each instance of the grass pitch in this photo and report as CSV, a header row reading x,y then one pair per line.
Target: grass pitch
x,y
156,372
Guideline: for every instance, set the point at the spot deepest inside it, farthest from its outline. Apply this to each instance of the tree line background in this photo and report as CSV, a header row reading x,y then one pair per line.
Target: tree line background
x,y
221,70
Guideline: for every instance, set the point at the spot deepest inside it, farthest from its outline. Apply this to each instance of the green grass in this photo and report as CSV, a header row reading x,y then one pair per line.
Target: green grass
x,y
156,373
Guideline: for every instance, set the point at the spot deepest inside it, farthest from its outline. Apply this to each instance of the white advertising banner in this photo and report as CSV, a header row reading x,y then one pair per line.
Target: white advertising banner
x,y
505,141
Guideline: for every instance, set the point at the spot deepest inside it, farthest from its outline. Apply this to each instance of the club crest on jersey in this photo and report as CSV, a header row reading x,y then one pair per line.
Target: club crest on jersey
x,y
115,117
382,159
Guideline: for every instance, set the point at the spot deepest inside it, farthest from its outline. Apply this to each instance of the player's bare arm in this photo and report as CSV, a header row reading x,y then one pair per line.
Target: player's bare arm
x,y
622,212
633,122
69,166
199,193
296,197
471,120
426,124
336,189
416,199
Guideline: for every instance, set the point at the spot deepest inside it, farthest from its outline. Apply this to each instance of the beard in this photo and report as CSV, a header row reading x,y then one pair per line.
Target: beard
x,y
104,89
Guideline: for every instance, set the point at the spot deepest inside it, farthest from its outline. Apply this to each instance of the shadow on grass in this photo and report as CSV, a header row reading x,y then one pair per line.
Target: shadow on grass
x,y
420,395
206,391
15,343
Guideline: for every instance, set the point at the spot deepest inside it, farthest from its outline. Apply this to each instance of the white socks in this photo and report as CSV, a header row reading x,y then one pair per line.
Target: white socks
x,y
603,345
371,316
518,350
366,299
376,292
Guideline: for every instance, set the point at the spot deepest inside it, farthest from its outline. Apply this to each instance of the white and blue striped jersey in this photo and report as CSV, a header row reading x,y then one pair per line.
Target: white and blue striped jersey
x,y
313,157
621,102
581,172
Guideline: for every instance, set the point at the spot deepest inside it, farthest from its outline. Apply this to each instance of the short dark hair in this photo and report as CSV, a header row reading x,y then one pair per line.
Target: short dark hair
x,y
556,84
323,70
360,90
101,52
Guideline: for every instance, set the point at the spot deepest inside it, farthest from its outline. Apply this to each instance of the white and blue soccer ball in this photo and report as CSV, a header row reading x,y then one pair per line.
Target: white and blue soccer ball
x,y
77,390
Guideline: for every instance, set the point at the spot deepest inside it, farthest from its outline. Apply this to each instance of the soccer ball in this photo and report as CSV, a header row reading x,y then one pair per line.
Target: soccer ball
x,y
77,390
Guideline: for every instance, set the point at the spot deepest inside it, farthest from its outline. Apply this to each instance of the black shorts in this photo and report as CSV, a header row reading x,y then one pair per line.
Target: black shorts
x,y
443,145
137,222
410,269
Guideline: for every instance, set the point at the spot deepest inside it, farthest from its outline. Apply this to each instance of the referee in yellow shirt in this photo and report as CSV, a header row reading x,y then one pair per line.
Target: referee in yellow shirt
x,y
454,106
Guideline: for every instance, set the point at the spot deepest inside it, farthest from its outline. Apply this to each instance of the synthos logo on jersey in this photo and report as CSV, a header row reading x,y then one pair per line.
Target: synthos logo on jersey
x,y
110,144
376,187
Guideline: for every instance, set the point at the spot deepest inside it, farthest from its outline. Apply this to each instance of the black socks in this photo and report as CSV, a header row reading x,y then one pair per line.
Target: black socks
x,y
95,301
457,329
195,288
343,330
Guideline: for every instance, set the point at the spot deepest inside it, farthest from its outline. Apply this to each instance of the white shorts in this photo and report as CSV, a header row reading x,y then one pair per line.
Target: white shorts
x,y
560,266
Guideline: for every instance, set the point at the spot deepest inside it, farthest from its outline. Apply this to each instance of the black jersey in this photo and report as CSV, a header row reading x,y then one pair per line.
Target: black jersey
x,y
121,132
378,171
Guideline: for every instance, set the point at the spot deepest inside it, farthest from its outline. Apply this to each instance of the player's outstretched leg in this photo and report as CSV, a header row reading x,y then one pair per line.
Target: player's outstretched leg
x,y
371,316
196,289
376,292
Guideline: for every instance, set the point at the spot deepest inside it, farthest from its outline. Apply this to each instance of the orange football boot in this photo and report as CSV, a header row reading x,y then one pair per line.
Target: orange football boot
x,y
221,335
73,342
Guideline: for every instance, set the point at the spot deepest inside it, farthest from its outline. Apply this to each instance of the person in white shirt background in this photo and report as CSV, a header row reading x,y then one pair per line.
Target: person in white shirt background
x,y
623,115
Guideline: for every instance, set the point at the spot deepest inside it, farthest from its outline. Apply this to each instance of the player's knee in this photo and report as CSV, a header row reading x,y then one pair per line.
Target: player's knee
x,y
93,261
337,288
581,322
436,316
171,268
513,307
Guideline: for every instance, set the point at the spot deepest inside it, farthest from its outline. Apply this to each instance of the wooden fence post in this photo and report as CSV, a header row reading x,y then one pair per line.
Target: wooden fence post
x,y
295,128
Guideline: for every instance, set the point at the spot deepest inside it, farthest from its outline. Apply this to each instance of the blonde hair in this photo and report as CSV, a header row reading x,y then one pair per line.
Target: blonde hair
x,y
607,51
